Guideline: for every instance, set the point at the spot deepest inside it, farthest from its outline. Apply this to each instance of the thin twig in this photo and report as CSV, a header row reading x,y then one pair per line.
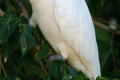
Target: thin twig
x,y
7,2
101,25
2,66
24,10
104,26
113,57
43,68
104,21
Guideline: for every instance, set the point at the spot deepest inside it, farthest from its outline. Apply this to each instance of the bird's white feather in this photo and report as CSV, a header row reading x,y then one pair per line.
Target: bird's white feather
x,y
77,30
68,27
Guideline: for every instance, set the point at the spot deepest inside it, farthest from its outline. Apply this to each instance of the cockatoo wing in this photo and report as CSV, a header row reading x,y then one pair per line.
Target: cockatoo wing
x,y
77,29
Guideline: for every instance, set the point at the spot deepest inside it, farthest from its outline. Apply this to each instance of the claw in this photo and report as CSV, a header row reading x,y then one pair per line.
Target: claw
x,y
55,57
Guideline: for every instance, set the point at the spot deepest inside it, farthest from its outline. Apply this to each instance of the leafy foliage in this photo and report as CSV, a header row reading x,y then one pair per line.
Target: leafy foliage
x,y
24,50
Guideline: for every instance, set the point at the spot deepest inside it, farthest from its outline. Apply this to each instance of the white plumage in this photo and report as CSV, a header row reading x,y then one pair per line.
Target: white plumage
x,y
68,27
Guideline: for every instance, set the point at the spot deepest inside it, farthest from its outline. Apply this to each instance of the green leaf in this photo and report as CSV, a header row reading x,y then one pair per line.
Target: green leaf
x,y
13,64
105,61
3,25
115,79
43,76
48,78
102,2
77,77
11,45
44,51
82,74
32,70
66,77
6,28
3,78
9,14
88,1
72,71
102,35
53,69
101,78
86,79
24,20
26,39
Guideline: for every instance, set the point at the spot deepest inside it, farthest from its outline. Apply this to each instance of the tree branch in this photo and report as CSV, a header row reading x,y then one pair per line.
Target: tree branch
x,y
43,68
104,26
24,11
1,65
104,21
1,12
113,56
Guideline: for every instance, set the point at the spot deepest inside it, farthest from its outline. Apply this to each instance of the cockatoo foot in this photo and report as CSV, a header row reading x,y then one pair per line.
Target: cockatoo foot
x,y
55,58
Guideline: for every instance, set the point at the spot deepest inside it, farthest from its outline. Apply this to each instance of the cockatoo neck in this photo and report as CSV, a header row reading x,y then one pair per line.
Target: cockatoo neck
x,y
34,2
44,6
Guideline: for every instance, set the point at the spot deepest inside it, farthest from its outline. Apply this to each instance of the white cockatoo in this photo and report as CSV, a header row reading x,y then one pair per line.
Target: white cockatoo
x,y
68,27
